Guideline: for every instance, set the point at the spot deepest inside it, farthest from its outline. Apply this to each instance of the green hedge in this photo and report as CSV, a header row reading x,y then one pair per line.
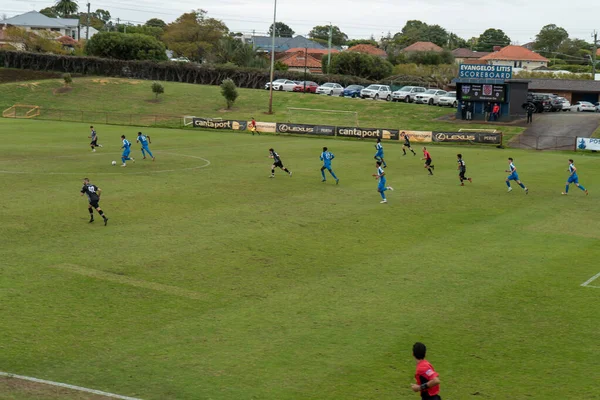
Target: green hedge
x,y
159,71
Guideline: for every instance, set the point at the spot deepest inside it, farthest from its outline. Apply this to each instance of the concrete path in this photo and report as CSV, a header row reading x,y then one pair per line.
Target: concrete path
x,y
557,131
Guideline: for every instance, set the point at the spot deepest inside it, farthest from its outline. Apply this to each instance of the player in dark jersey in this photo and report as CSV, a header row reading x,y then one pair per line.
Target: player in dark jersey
x,y
93,195
94,137
277,163
462,170
406,144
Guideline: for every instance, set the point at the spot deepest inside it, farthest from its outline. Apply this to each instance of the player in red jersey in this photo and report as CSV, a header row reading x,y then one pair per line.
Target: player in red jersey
x,y
428,381
427,158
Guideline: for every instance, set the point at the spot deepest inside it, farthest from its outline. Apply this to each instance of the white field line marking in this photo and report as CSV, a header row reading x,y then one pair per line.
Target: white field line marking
x,y
206,164
592,279
124,280
67,386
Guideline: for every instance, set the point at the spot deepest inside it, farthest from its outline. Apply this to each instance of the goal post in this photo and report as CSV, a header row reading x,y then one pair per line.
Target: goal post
x,y
317,116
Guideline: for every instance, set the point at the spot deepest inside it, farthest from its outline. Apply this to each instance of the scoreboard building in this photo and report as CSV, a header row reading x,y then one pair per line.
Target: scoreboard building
x,y
481,84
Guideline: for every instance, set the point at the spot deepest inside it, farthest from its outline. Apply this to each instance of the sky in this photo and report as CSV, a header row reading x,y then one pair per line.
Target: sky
x,y
521,20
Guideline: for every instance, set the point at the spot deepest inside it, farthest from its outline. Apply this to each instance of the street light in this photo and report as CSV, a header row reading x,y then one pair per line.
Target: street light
x,y
272,59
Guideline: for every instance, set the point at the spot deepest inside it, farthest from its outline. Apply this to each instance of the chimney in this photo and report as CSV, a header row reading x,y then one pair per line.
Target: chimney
x,y
497,48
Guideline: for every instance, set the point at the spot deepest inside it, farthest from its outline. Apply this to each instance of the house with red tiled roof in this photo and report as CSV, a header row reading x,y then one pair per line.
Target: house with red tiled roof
x,y
516,57
302,62
422,47
466,56
368,49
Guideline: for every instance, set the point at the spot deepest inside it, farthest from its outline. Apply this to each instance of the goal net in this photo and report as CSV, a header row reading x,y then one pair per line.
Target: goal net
x,y
321,117
21,111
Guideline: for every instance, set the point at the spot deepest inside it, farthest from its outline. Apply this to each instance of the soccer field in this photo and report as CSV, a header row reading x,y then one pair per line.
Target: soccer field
x,y
212,281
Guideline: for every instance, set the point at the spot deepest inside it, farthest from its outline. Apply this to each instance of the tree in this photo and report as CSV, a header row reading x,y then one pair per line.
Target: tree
x,y
40,42
229,91
68,79
157,88
550,38
355,42
321,32
64,8
193,35
123,46
574,51
49,12
456,42
141,29
281,30
358,64
490,38
229,50
156,23
430,57
98,19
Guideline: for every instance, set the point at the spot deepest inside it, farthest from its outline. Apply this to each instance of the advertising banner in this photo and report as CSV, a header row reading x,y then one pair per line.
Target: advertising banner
x,y
484,71
588,143
268,127
347,131
481,92
225,124
476,137
321,130
417,136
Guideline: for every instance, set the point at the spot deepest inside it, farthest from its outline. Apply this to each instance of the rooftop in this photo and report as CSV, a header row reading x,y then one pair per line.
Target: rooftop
x,y
514,53
368,49
468,53
423,46
35,19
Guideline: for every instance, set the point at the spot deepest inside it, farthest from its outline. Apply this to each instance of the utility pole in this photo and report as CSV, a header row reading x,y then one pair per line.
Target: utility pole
x,y
87,28
594,50
305,64
272,57
329,51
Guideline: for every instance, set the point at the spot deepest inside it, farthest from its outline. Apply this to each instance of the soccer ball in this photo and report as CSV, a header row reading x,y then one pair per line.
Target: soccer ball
x,y
114,163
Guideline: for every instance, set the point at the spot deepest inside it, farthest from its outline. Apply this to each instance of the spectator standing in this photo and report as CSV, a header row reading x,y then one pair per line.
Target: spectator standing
x,y
496,112
463,110
470,108
488,111
428,381
529,114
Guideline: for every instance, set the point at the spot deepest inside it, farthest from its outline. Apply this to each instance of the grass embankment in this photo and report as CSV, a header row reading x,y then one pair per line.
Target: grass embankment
x,y
120,100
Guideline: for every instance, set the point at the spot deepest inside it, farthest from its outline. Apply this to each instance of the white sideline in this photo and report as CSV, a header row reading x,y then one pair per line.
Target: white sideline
x,y
592,279
64,385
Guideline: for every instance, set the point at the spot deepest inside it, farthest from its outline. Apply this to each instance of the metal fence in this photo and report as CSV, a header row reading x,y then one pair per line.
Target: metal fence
x,y
544,142
102,117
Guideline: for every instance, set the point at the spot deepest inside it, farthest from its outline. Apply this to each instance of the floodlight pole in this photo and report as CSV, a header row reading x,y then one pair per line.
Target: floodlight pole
x,y
272,58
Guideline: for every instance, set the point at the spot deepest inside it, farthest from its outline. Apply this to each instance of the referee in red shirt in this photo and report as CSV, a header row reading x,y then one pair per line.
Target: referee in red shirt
x,y
428,381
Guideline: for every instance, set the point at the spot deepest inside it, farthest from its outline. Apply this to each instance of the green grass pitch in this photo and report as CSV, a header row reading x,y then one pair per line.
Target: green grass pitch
x,y
212,281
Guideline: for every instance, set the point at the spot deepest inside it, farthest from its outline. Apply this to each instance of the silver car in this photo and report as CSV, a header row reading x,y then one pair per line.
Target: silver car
x,y
286,85
276,82
448,100
431,96
407,93
330,89
376,92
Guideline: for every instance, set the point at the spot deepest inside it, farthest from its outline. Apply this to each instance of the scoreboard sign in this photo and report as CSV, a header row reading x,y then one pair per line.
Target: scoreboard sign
x,y
481,92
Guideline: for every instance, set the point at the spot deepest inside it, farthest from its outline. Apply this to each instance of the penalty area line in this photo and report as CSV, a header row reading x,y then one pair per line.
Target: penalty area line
x,y
67,386
592,279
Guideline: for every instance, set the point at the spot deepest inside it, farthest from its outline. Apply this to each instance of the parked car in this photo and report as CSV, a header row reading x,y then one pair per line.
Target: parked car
x,y
539,101
330,89
311,87
597,106
556,103
377,92
286,85
448,100
353,91
407,93
584,106
275,82
430,96
566,105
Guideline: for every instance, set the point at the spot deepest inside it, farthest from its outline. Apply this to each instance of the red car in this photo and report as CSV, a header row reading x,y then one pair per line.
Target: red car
x,y
311,87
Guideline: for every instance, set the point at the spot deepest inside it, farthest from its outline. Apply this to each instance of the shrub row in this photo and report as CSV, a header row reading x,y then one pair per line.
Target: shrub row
x,y
158,71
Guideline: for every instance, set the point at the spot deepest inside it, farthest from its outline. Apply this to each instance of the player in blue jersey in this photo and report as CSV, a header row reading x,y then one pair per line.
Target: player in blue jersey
x,y
381,188
126,151
326,157
573,178
514,176
144,140
379,154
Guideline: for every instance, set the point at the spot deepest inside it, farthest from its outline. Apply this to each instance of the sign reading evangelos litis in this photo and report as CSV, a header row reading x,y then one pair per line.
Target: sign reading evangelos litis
x,y
484,71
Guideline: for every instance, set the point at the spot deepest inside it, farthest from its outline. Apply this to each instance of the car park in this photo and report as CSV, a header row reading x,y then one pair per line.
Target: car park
x,y
330,89
430,96
353,91
377,92
448,100
311,87
581,106
407,93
